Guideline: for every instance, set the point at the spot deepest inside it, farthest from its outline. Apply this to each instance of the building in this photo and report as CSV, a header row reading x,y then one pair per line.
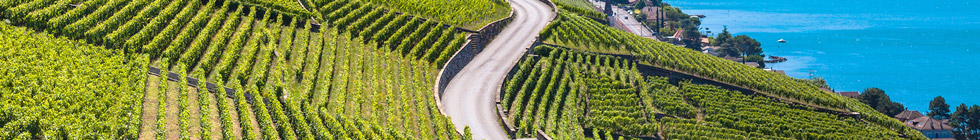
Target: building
x,y
651,13
709,50
850,94
828,90
931,128
732,58
753,64
705,41
907,115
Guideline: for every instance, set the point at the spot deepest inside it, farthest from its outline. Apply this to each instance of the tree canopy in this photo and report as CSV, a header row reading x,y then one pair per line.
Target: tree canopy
x,y
748,45
966,122
938,109
741,45
877,99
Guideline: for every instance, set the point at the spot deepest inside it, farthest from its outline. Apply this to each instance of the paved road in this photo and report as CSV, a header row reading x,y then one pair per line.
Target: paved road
x,y
469,98
632,25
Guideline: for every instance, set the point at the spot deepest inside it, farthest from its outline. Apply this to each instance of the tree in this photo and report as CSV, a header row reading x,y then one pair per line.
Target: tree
x,y
877,99
692,38
938,109
959,121
673,14
757,59
723,37
966,122
640,4
747,45
726,43
816,81
973,123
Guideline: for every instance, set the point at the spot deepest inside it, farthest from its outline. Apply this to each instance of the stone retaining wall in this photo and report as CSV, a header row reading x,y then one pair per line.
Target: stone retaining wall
x,y
194,82
474,45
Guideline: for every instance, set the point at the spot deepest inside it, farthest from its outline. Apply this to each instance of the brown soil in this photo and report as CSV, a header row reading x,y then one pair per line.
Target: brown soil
x,y
194,123
233,114
254,122
173,110
150,103
215,117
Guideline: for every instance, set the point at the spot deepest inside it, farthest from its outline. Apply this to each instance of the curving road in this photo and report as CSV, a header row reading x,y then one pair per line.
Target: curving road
x,y
469,97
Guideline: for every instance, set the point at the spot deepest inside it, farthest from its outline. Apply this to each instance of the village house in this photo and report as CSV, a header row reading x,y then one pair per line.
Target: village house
x,y
849,94
931,128
907,115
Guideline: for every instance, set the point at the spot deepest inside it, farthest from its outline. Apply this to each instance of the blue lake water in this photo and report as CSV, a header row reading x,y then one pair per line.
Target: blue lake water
x,y
915,50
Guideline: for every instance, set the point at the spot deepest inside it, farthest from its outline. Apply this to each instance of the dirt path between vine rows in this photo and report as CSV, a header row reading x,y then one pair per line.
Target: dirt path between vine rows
x,y
150,104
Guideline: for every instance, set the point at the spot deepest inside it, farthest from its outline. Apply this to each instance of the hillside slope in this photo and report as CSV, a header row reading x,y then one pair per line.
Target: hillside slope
x,y
587,35
573,94
349,70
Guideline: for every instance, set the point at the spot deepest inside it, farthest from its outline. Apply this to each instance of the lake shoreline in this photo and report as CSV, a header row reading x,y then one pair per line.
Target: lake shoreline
x,y
853,50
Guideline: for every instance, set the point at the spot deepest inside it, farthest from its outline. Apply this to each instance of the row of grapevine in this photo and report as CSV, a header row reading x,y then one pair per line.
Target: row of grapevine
x,y
161,124
290,7
199,45
232,52
269,131
405,46
96,34
160,28
59,22
23,13
173,49
220,41
116,38
204,103
182,104
227,125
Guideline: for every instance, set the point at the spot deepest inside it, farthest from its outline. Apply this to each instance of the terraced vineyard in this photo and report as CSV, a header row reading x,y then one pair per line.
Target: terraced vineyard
x,y
582,33
348,69
571,94
366,73
659,54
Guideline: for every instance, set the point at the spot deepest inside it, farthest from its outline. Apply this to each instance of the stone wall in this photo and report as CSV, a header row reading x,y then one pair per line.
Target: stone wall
x,y
194,82
502,112
474,45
